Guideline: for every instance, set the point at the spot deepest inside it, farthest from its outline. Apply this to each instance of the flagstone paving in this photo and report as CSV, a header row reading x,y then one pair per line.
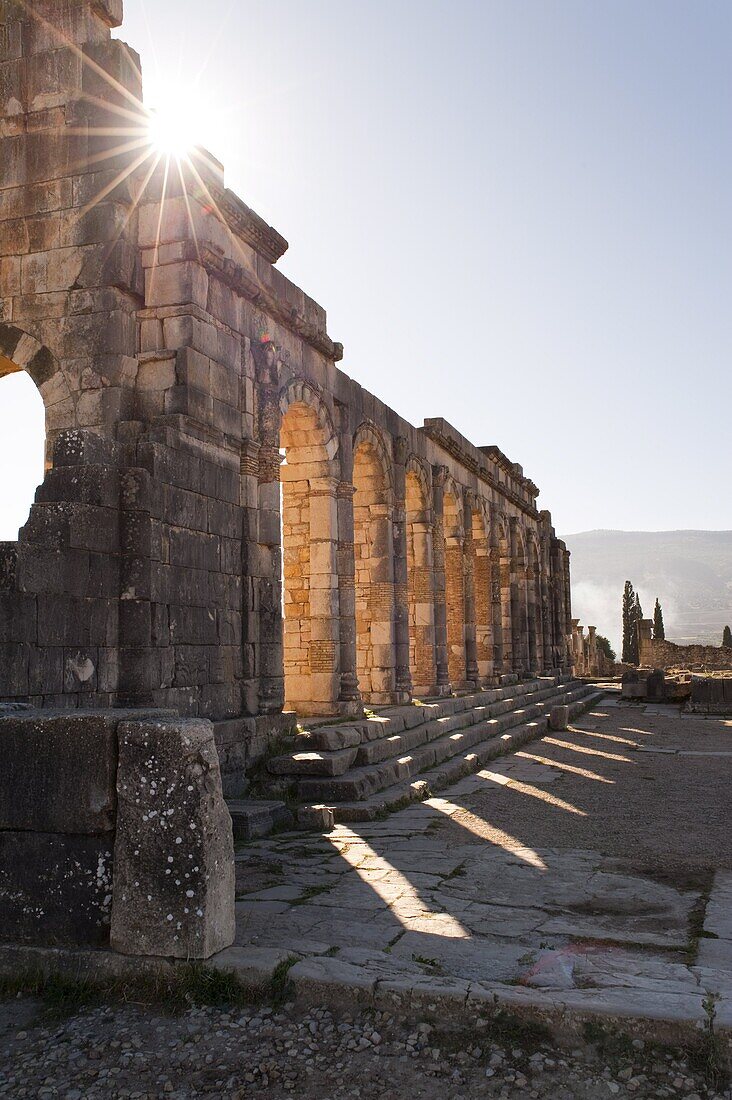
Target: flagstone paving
x,y
579,872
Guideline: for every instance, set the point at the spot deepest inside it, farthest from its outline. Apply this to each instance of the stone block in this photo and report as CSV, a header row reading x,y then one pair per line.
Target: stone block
x,y
559,718
174,853
55,889
318,819
45,758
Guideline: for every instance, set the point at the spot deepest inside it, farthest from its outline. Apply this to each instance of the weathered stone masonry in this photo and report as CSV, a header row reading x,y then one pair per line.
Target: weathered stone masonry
x,y
228,525
203,446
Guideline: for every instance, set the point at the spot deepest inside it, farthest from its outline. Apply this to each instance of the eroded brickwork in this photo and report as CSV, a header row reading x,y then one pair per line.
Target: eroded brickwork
x,y
228,524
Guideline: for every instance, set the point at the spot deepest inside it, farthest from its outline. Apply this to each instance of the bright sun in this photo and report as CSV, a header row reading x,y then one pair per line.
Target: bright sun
x,y
170,130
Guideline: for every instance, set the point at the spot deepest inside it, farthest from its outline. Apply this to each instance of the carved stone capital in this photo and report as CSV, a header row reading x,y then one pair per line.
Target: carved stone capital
x,y
249,458
345,490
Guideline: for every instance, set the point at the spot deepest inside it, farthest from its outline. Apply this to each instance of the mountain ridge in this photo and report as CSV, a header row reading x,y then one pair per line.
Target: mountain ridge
x,y
690,570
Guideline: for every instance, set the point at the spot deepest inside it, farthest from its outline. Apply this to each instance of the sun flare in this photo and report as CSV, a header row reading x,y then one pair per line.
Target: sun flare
x,y
170,131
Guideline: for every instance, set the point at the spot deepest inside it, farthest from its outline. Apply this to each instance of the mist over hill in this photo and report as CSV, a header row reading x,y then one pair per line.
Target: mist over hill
x,y
689,571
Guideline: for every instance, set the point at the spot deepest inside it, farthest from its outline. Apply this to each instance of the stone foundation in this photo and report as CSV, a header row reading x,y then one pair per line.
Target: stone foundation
x,y
88,802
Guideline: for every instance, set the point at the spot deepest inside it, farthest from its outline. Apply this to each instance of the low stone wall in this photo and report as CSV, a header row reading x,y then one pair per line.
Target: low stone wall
x,y
114,819
711,695
667,655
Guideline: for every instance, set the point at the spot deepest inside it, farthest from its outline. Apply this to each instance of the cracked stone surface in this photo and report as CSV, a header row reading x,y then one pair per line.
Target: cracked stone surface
x,y
585,869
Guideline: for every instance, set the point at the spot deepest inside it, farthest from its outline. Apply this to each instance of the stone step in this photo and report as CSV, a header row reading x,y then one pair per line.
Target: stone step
x,y
381,748
359,783
391,720
252,818
435,779
397,744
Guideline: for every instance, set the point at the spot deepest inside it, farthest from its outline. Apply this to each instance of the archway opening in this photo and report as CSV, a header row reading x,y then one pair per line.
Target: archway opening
x,y
374,561
420,588
482,584
454,591
22,447
309,566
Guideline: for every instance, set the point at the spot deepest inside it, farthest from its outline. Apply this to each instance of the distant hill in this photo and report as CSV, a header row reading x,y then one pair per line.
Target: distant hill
x,y
689,571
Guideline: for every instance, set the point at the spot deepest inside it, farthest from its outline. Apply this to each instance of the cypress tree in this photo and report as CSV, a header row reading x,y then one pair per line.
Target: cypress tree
x,y
637,616
659,632
628,610
727,638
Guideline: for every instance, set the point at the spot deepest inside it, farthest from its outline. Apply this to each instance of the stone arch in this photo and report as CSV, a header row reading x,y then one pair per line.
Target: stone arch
x,y
420,473
482,584
309,479
454,538
367,434
373,503
420,577
299,392
19,351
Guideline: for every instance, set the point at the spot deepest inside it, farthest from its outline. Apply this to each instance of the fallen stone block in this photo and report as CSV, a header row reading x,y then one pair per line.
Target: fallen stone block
x,y
316,818
174,853
559,718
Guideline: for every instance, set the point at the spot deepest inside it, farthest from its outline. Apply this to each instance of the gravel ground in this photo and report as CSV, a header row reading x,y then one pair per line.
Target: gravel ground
x,y
136,1052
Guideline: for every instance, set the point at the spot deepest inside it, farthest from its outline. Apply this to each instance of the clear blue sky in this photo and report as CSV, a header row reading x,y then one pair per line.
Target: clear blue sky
x,y
517,215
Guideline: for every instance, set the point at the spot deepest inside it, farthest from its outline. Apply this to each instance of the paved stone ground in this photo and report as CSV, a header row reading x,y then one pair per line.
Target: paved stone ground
x,y
578,872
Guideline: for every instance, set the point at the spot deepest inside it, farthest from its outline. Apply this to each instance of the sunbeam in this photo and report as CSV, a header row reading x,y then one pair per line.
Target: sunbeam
x,y
572,768
585,750
483,829
534,792
408,905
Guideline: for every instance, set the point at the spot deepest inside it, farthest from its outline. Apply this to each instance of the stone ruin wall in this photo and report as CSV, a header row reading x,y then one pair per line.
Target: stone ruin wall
x,y
201,445
178,367
666,655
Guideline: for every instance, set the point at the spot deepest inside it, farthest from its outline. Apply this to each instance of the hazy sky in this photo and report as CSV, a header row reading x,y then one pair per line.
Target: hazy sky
x,y
516,214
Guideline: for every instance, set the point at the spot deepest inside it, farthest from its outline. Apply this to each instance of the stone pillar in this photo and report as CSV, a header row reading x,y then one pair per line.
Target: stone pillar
x,y
439,475
519,625
472,674
323,590
263,565
644,629
546,619
564,557
562,633
349,699
531,634
403,680
495,590
250,608
593,669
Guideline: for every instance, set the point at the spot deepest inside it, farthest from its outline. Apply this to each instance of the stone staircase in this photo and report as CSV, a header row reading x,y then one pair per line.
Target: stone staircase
x,y
362,769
